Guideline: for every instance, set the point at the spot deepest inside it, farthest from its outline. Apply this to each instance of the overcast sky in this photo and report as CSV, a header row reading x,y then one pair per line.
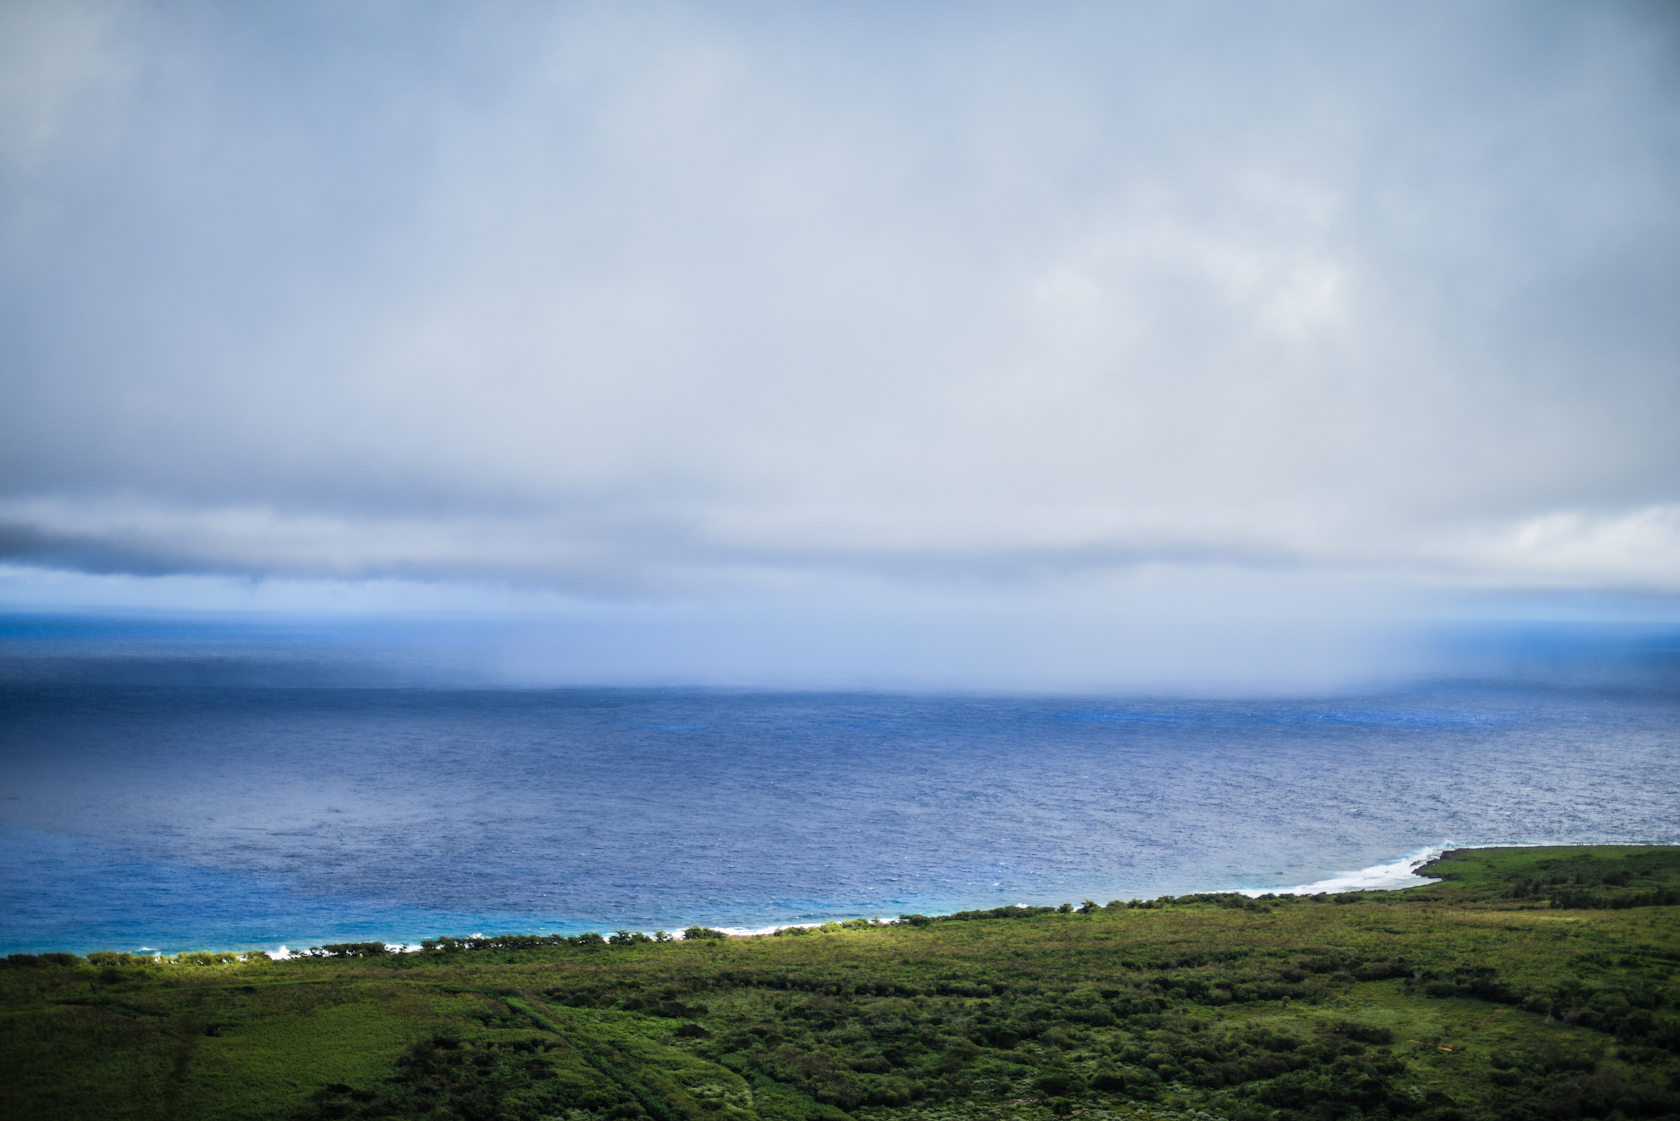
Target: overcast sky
x,y
1055,315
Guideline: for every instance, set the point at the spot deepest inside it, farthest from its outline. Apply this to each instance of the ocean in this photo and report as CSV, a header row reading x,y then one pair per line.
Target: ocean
x,y
169,814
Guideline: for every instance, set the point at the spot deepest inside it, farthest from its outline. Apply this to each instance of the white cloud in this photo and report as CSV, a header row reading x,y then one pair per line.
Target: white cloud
x,y
1634,549
689,300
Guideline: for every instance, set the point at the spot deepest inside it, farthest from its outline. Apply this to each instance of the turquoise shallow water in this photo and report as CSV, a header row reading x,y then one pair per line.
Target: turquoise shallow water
x,y
177,816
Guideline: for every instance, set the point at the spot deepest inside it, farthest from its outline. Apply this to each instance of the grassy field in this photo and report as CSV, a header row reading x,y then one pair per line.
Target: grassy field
x,y
1525,983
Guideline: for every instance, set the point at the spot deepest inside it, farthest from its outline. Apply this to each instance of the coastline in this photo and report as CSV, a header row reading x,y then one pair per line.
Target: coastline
x,y
1395,875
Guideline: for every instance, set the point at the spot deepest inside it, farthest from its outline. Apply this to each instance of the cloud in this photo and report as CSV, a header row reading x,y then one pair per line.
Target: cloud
x,y
694,299
1570,548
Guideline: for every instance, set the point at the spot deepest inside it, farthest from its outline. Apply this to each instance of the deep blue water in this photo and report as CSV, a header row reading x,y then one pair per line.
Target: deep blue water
x,y
229,816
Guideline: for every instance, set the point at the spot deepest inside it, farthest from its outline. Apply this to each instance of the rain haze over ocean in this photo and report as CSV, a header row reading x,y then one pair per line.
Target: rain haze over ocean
x,y
1207,444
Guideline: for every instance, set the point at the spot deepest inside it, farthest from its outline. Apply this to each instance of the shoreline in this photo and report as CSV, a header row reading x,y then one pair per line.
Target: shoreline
x,y
1395,875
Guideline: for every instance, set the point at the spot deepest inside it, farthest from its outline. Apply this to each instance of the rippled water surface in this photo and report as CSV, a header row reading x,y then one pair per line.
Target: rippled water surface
x,y
174,817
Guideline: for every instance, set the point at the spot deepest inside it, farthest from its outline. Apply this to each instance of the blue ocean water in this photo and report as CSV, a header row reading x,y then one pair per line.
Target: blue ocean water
x,y
178,816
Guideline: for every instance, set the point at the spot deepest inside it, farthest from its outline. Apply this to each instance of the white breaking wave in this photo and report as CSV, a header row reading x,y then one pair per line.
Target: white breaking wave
x,y
1392,876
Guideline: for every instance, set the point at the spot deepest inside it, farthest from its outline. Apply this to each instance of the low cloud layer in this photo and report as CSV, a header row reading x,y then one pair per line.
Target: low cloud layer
x,y
681,300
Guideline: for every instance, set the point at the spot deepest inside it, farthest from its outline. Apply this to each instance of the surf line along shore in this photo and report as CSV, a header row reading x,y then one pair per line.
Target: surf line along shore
x,y
1389,876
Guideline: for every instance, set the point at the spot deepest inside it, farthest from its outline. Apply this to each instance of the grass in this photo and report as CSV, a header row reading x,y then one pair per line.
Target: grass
x,y
1523,983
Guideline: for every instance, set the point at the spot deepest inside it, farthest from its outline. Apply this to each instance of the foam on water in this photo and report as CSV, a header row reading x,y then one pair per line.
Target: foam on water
x,y
1390,876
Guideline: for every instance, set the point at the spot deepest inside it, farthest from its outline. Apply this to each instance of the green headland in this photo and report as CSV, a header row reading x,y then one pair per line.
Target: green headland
x,y
1523,983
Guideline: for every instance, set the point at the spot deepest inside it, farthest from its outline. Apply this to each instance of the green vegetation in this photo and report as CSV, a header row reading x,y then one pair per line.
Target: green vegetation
x,y
1525,983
